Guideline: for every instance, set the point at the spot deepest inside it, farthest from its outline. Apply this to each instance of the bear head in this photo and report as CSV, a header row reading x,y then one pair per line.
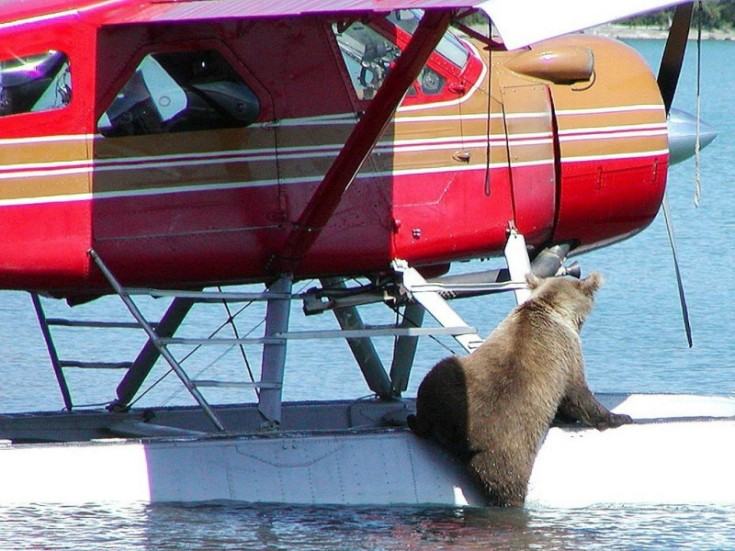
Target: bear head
x,y
571,297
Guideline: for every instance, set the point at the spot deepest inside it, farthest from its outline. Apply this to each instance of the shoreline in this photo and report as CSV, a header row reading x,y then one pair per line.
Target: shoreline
x,y
655,33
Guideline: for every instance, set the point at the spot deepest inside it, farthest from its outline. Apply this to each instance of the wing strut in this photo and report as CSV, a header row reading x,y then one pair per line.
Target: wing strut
x,y
361,141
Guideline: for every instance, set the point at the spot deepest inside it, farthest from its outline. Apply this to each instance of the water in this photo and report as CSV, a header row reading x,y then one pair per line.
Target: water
x,y
287,528
633,341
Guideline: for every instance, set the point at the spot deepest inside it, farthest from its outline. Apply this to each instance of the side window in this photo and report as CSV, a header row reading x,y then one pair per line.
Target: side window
x,y
449,46
180,92
34,83
368,56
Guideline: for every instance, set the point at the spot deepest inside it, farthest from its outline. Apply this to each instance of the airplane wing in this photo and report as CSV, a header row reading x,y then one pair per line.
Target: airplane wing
x,y
519,22
523,22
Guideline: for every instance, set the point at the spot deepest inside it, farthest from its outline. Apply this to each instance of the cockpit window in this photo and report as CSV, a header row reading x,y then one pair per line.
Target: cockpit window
x,y
369,56
34,83
180,92
449,46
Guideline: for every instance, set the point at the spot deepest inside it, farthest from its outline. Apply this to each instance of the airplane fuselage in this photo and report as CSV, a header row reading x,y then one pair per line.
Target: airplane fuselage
x,y
185,153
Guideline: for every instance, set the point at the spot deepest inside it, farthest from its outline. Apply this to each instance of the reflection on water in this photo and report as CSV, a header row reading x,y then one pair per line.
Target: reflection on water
x,y
267,527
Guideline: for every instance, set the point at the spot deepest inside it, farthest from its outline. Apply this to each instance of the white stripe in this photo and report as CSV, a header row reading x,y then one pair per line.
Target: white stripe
x,y
633,155
321,120
46,139
310,179
65,168
616,135
536,115
47,172
434,170
316,151
220,186
522,143
622,127
540,162
343,119
529,136
62,168
616,109
448,118
56,15
349,118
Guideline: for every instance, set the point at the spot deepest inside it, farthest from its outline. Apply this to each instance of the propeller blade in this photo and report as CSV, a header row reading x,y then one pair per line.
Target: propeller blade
x,y
682,298
668,78
676,43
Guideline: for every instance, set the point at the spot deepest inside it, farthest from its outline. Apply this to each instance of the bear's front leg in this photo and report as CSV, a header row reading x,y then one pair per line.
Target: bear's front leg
x,y
580,404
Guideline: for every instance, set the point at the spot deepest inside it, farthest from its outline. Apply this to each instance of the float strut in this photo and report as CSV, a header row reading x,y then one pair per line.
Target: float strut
x,y
274,351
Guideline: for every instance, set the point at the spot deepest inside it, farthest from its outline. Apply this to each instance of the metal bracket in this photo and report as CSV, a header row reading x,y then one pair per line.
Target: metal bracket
x,y
416,286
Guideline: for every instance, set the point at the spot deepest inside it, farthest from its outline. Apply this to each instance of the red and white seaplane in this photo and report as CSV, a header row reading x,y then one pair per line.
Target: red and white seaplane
x,y
161,148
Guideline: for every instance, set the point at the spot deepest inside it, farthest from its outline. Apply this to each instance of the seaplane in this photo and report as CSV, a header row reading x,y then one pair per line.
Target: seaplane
x,y
184,149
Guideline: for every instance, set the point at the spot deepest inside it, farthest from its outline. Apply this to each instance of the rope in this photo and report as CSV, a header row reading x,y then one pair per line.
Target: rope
x,y
697,145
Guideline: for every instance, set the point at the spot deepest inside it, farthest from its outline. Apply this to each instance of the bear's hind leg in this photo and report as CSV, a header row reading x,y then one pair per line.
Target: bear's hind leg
x,y
504,482
419,426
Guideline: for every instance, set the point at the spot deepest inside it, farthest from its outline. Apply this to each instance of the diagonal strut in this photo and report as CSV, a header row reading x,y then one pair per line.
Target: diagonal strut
x,y
361,141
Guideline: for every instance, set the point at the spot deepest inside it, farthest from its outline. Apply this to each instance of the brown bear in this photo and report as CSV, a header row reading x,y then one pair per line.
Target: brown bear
x,y
494,407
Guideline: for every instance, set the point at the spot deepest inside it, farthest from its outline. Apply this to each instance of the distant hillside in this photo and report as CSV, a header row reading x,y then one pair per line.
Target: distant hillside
x,y
716,14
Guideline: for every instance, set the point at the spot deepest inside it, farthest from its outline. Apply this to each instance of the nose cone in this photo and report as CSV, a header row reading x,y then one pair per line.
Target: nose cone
x,y
683,135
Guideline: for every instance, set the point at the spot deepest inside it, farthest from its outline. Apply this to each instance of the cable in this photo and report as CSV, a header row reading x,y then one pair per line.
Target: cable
x,y
697,145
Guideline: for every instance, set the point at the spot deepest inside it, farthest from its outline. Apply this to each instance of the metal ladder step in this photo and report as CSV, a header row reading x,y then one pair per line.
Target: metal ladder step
x,y
278,297
95,365
63,322
369,331
205,296
210,383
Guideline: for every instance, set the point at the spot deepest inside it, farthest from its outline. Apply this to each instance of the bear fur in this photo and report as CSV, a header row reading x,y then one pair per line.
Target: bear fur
x,y
494,407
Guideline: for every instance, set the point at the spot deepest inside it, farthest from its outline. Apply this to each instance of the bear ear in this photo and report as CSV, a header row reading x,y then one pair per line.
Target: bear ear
x,y
533,280
592,282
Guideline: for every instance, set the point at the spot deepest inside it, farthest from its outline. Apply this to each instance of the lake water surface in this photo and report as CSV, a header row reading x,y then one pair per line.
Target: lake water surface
x,y
634,341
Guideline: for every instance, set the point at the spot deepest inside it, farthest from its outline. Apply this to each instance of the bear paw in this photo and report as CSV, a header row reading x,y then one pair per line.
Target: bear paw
x,y
614,420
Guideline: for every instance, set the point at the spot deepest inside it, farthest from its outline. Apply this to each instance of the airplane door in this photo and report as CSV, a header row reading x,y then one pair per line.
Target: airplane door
x,y
184,171
528,118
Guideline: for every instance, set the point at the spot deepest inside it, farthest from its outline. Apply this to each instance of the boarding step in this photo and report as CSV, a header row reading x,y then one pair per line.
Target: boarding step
x,y
368,331
211,383
206,296
63,322
277,297
95,365
59,364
